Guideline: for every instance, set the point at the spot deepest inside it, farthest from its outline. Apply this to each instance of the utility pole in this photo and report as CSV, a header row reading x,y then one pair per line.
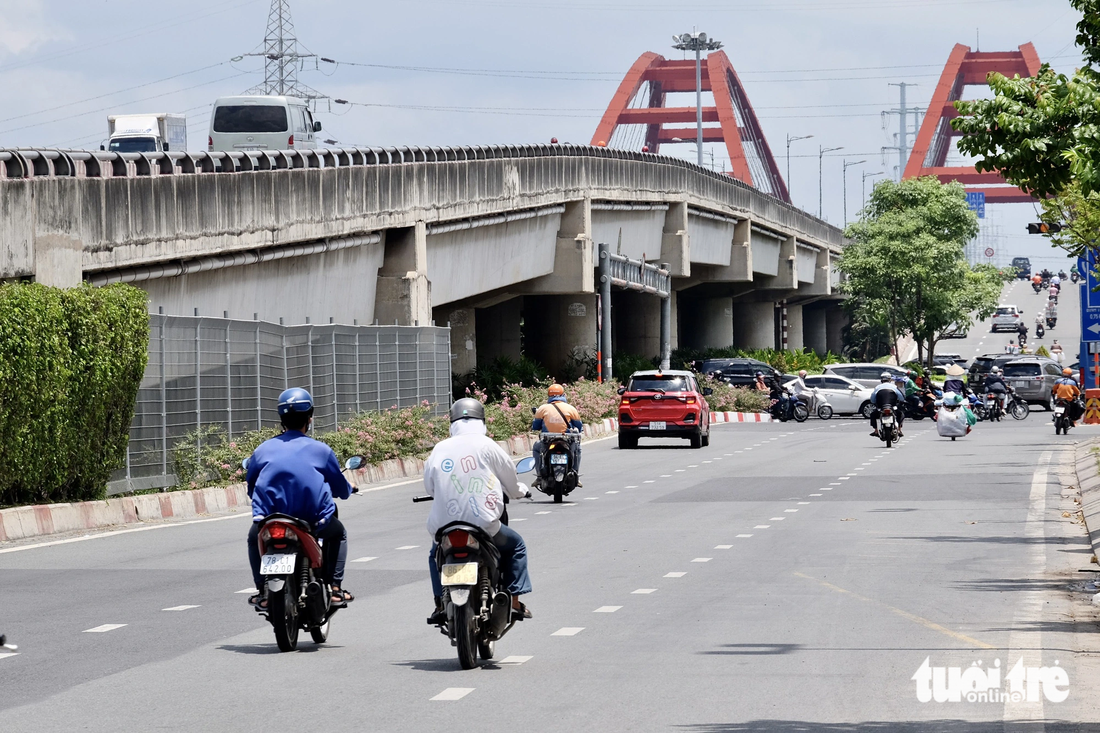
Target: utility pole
x,y
820,158
902,137
847,165
866,175
282,54
697,42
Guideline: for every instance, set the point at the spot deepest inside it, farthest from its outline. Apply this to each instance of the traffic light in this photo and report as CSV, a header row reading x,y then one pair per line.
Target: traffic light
x,y
1043,228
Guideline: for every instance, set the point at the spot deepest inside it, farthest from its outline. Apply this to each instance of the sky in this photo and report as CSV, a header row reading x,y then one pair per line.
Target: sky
x,y
475,72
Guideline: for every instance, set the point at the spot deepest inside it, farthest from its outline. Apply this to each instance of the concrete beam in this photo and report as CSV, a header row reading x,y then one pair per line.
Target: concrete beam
x,y
404,294
675,245
739,269
574,255
787,276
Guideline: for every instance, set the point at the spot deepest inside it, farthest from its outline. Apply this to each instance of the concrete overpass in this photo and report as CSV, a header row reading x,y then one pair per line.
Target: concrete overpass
x,y
497,241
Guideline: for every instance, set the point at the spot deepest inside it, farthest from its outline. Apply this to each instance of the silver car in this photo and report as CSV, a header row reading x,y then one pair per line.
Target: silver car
x,y
846,396
1007,318
1033,377
864,374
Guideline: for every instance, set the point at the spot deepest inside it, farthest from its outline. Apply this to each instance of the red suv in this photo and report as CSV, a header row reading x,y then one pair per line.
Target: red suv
x,y
663,405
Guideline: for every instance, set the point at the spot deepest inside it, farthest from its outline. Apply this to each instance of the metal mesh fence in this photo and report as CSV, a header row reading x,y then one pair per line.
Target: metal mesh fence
x,y
217,371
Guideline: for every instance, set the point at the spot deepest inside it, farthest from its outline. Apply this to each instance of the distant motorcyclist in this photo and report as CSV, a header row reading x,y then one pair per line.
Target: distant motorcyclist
x,y
996,384
760,384
1012,348
1057,352
883,395
296,475
1021,334
1067,389
468,475
1040,326
556,415
1056,281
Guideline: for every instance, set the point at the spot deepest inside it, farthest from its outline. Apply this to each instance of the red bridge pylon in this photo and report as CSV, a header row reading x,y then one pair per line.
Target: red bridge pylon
x,y
929,156
640,100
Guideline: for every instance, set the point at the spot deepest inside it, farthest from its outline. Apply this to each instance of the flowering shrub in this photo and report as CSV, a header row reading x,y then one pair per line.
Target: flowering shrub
x,y
726,398
207,456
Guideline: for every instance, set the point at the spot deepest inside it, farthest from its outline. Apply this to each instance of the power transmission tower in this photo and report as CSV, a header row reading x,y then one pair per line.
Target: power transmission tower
x,y
282,56
902,136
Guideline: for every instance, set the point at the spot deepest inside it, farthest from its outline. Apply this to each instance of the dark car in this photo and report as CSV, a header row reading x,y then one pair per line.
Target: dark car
x,y
670,404
1023,267
739,372
982,364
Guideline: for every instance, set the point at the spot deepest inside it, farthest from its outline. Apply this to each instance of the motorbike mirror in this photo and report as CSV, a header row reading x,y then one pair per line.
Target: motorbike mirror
x,y
534,410
244,463
526,465
707,391
621,390
353,463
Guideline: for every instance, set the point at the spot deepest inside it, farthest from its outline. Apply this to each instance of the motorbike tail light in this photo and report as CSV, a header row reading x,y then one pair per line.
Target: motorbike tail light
x,y
278,531
459,538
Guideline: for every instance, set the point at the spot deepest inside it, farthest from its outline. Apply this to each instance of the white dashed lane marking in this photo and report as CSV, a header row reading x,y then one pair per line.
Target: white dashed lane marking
x,y
364,559
675,575
516,660
542,512
180,608
762,526
723,547
647,482
607,609
643,591
740,536
5,655
811,495
630,487
611,492
245,590
453,693
408,547
804,502
591,498
703,559
568,631
794,510
103,629
518,519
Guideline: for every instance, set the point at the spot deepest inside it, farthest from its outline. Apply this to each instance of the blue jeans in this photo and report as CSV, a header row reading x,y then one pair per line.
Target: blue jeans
x,y
538,450
513,563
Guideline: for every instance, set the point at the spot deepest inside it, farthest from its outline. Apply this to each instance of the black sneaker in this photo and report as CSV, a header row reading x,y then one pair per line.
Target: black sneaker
x,y
439,616
521,613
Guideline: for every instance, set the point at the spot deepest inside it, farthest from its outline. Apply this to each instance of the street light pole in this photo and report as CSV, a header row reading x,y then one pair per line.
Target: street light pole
x,y
866,175
820,165
789,141
847,165
697,42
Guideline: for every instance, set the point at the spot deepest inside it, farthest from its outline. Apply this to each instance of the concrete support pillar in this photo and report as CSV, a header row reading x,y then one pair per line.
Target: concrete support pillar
x,y
58,260
497,332
835,321
404,294
754,325
795,337
813,329
636,324
675,247
558,327
675,315
463,324
708,323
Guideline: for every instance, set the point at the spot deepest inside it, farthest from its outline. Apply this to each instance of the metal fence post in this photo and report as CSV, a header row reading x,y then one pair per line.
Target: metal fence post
x,y
198,384
358,373
228,384
163,404
286,371
309,343
417,357
335,386
259,392
378,368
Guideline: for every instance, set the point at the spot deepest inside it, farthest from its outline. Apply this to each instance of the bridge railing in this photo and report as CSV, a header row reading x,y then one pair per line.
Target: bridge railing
x,y
229,373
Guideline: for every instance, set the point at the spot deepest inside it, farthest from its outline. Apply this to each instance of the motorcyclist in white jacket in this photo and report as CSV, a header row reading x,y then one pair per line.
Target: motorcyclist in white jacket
x,y
468,475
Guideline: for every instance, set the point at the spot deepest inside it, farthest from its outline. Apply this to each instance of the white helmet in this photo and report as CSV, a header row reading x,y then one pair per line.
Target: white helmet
x,y
995,370
885,377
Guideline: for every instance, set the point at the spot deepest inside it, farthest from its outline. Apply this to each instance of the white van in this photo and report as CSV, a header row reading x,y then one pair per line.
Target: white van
x,y
261,123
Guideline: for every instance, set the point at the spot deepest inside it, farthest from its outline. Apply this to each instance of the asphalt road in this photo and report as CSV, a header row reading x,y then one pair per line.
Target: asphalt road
x,y
789,577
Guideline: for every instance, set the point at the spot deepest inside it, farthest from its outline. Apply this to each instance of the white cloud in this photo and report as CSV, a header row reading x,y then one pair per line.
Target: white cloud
x,y
24,26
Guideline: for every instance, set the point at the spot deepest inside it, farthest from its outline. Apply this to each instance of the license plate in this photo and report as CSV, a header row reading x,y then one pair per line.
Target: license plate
x,y
559,459
1059,411
887,421
1019,383
657,426
277,564
464,574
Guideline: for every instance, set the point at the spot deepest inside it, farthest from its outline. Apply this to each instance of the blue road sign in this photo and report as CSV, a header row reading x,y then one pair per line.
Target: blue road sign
x,y
1090,298
975,201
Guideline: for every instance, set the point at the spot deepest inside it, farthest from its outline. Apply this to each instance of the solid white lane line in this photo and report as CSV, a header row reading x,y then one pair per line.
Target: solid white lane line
x,y
407,547
364,559
568,631
675,575
607,609
703,559
542,512
103,629
762,526
643,591
180,608
454,693
516,659
743,535
723,547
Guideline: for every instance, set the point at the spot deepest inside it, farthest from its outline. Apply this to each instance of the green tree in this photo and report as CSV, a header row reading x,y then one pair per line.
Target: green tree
x,y
906,273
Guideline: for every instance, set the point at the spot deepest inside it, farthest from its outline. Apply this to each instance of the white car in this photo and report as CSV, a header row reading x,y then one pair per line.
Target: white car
x,y
1007,318
262,123
866,374
846,396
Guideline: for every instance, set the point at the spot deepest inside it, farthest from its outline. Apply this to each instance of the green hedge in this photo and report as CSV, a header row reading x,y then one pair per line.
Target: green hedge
x,y
71,362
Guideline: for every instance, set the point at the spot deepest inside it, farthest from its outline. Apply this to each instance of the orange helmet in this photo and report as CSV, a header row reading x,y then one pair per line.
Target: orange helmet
x,y
1067,372
556,390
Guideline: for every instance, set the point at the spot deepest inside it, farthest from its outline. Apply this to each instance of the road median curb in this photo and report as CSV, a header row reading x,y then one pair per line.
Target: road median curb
x,y
1088,482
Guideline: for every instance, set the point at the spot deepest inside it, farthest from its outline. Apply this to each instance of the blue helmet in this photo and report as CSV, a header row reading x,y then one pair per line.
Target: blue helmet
x,y
295,399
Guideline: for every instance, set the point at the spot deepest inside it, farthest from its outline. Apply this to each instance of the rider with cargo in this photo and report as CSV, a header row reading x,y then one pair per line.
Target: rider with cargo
x,y
557,416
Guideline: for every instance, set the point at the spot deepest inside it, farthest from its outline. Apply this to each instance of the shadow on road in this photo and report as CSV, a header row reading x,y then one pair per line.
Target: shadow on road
x,y
755,649
436,665
303,648
928,726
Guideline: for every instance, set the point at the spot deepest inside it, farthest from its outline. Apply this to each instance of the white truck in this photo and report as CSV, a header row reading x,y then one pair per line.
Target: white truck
x,y
148,133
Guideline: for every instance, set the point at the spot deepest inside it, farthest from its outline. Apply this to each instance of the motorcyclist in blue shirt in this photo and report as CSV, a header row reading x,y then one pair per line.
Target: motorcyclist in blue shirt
x,y
296,475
